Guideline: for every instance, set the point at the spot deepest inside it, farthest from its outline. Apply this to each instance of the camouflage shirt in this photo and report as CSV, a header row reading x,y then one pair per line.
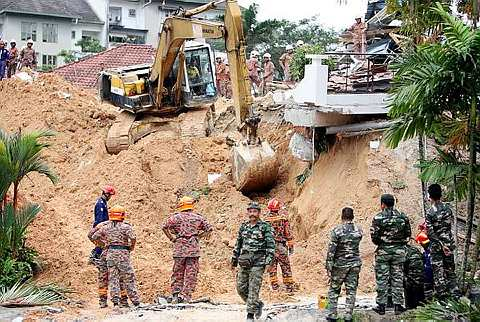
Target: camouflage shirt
x,y
413,268
439,225
281,228
187,226
113,233
344,247
255,240
390,229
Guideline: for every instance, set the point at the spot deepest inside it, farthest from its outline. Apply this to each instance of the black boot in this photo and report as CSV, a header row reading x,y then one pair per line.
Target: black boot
x,y
379,309
250,317
399,309
329,319
259,312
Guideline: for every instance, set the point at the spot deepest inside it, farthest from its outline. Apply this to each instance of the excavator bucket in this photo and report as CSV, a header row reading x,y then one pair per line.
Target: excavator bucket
x,y
255,167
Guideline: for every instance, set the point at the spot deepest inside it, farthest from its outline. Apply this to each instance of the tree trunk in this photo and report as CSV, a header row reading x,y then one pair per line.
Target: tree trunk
x,y
472,124
421,157
455,217
15,195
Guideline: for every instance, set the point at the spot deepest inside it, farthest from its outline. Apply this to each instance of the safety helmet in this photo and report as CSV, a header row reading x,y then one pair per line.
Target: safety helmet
x,y
30,41
267,55
274,204
299,43
117,213
254,53
13,41
108,189
185,203
422,238
289,47
254,205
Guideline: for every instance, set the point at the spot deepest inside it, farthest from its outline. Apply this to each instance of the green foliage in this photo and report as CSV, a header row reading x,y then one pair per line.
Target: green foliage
x,y
47,68
28,294
20,154
297,65
451,310
12,271
67,55
90,45
419,22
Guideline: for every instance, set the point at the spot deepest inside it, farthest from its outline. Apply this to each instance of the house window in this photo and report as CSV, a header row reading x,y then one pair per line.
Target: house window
x,y
132,13
49,60
74,36
29,31
115,16
50,32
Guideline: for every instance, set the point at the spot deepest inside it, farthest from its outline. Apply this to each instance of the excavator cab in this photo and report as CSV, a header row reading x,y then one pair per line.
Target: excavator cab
x,y
129,88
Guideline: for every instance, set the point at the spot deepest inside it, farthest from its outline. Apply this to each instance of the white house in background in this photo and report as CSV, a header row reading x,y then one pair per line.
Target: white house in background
x,y
139,21
53,25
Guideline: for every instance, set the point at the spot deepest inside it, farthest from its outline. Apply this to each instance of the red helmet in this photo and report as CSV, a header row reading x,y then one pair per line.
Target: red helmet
x,y
422,238
109,189
274,204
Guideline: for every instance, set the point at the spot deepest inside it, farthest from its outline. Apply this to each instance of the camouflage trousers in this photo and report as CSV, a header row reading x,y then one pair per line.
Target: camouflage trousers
x,y
281,257
389,274
249,282
102,278
225,88
184,276
340,276
444,277
120,269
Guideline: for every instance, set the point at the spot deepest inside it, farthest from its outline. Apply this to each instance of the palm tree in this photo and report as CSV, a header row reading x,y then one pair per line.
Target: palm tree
x,y
20,155
435,89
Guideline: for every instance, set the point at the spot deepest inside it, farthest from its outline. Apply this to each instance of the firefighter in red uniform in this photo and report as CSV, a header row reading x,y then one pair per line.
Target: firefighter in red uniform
x,y
283,245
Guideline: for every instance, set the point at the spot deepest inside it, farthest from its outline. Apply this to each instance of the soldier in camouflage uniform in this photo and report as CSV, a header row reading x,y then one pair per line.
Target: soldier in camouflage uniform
x,y
254,250
439,230
414,278
184,229
390,231
283,245
119,240
343,263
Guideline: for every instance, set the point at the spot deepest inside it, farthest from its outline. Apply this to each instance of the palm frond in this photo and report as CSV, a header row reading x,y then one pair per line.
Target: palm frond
x,y
28,294
452,310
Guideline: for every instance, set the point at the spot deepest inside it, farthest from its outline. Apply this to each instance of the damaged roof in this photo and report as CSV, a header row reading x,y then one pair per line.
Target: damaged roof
x,y
85,72
73,9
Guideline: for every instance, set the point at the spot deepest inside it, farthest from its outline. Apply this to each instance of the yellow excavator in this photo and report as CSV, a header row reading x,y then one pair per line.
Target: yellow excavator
x,y
182,77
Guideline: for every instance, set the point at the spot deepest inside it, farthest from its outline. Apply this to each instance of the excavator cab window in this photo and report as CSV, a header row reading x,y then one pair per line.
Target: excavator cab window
x,y
199,72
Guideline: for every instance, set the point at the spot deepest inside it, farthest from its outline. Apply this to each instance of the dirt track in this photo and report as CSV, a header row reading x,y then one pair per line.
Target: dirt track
x,y
151,174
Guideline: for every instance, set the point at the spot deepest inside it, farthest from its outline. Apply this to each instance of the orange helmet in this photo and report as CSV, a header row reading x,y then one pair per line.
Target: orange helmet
x,y
274,204
117,213
109,189
422,238
185,203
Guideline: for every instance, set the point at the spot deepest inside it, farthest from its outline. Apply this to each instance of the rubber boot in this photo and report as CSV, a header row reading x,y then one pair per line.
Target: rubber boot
x,y
250,317
379,309
259,312
124,301
103,302
332,319
174,298
399,309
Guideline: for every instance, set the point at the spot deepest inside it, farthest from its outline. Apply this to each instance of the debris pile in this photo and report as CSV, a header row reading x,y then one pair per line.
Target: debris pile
x,y
150,175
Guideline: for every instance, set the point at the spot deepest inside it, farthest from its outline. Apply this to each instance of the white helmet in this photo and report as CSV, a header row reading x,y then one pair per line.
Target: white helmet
x,y
289,47
254,53
299,43
30,41
267,55
13,41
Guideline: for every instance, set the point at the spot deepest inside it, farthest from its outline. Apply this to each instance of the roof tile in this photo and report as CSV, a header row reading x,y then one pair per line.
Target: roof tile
x,y
85,72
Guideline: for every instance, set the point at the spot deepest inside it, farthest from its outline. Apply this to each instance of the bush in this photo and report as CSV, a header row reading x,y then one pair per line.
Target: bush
x,y
297,65
451,310
12,271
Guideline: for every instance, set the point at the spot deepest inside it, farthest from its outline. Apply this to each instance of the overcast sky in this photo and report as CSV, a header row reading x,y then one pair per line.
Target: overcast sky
x,y
330,12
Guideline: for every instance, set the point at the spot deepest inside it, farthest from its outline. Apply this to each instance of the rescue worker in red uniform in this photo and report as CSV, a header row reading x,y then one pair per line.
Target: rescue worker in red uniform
x,y
184,229
283,245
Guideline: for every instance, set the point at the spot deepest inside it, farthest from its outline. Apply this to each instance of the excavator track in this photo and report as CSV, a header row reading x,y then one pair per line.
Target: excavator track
x,y
119,137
